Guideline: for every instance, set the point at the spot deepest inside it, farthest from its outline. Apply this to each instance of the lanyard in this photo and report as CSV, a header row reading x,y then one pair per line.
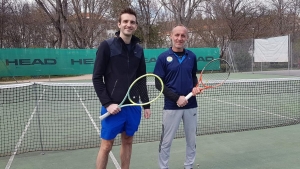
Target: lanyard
x,y
180,59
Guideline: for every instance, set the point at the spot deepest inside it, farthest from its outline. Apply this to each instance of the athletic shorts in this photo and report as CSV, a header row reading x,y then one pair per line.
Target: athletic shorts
x,y
128,120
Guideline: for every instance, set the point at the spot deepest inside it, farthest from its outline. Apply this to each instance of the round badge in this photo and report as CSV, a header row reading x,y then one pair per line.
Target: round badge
x,y
169,59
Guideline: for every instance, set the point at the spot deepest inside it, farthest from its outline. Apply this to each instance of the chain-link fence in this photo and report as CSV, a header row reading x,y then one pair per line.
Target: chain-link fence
x,y
240,55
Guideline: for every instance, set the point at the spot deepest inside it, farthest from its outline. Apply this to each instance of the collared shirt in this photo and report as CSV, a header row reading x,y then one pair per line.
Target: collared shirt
x,y
178,75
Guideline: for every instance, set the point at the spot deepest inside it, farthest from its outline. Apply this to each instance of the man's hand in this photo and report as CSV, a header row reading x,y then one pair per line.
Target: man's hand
x,y
147,113
197,90
113,109
181,101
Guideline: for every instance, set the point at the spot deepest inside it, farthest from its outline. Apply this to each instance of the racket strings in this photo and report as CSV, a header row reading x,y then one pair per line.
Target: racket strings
x,y
143,91
215,73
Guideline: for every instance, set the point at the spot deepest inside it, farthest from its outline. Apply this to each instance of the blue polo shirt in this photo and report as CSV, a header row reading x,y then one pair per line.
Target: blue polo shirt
x,y
178,75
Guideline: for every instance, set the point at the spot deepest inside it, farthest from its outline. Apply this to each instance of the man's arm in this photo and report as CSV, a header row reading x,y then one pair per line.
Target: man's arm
x,y
159,70
143,82
194,73
100,66
196,90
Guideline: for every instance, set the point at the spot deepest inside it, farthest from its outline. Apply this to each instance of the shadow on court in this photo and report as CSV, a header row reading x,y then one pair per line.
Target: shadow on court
x,y
274,148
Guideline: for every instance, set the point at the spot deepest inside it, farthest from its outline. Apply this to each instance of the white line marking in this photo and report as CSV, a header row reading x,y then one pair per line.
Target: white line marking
x,y
23,134
95,126
238,105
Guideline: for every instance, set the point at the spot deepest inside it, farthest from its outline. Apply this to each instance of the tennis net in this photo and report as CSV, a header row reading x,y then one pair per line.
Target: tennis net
x,y
65,116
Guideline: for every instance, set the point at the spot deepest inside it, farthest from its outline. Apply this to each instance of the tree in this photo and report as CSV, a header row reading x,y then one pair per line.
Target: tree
x,y
281,9
147,13
235,16
4,18
87,21
57,11
182,10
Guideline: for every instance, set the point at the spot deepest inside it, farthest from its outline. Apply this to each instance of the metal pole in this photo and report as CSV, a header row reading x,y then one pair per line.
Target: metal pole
x,y
252,59
289,56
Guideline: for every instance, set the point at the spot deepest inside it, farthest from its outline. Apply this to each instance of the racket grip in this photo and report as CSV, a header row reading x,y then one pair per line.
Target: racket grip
x,y
188,96
104,116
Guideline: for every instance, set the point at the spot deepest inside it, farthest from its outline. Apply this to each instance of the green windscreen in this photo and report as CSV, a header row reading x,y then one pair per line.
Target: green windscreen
x,y
37,62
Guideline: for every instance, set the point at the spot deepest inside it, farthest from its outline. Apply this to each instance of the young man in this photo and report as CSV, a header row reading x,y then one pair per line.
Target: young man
x,y
177,67
119,61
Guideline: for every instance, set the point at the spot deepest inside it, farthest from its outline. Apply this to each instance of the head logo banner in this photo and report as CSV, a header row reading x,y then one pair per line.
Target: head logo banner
x,y
39,61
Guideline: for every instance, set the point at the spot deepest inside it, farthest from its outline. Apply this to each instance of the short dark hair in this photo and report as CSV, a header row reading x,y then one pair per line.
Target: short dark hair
x,y
128,11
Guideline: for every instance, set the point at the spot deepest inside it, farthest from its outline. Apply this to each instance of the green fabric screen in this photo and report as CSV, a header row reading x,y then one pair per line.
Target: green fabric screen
x,y
39,62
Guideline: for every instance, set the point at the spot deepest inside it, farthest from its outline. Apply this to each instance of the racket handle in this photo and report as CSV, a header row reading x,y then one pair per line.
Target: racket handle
x,y
188,96
104,116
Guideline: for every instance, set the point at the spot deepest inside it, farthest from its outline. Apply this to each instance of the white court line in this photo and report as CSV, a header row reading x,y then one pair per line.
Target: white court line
x,y
23,134
92,120
238,105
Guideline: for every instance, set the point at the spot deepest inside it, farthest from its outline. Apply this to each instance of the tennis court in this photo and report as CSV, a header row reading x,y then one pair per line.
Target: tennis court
x,y
248,123
275,148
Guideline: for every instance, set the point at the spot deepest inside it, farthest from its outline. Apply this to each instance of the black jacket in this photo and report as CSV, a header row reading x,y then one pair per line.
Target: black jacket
x,y
116,68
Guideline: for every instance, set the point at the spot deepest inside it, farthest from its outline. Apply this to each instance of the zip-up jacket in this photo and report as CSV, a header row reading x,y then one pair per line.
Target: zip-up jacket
x,y
116,67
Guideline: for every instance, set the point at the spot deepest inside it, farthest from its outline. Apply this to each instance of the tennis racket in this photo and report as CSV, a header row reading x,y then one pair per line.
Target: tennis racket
x,y
142,91
213,75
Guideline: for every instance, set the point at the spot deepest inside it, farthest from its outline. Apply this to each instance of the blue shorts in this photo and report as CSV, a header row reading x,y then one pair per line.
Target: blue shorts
x,y
128,120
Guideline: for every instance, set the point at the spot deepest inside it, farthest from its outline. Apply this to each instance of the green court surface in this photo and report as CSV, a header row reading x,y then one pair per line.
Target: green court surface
x,y
274,148
249,123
